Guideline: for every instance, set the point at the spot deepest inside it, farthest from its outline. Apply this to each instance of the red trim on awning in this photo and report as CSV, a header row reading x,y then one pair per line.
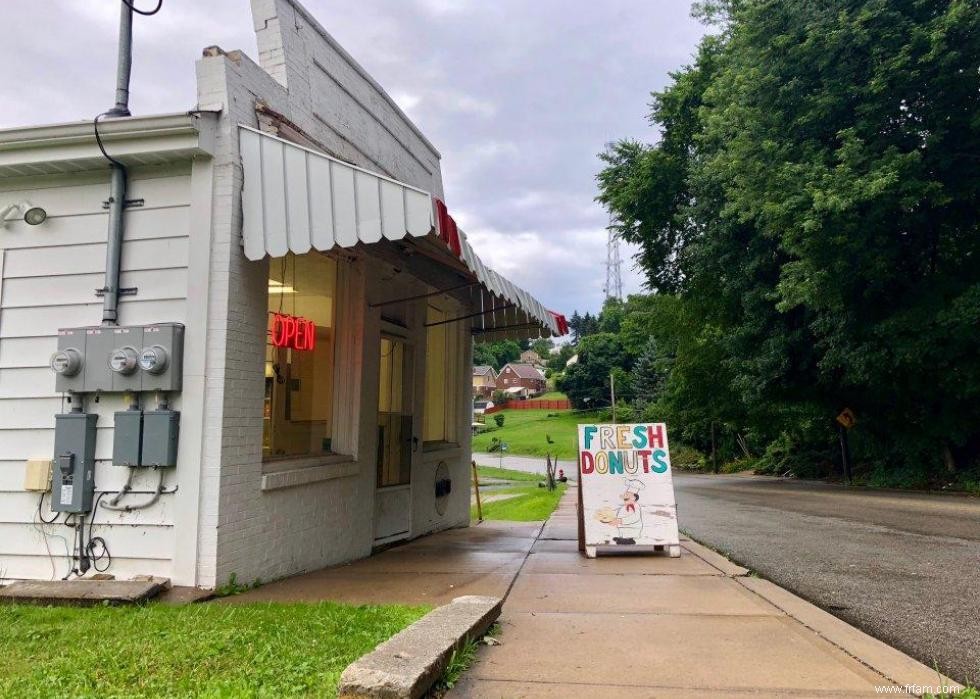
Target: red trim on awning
x,y
560,319
448,230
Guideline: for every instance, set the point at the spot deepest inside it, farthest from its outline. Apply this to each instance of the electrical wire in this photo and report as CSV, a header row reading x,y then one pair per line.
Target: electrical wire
x,y
40,500
93,541
39,528
145,13
101,145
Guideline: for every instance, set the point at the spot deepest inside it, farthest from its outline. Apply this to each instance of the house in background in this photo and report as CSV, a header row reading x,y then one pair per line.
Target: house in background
x,y
531,357
522,375
484,381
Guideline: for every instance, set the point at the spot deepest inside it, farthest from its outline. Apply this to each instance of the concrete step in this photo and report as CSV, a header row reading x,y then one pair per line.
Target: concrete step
x,y
82,592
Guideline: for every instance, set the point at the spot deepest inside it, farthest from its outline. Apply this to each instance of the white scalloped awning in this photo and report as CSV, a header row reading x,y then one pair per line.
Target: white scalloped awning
x,y
296,200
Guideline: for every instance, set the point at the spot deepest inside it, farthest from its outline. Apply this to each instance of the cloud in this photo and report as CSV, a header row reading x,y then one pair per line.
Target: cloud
x,y
407,101
518,96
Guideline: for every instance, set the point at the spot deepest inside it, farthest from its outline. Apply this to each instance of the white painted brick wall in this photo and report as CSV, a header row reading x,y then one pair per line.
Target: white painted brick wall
x,y
243,529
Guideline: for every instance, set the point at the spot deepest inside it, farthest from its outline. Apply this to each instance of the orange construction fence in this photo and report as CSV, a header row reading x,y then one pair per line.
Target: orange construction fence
x,y
532,404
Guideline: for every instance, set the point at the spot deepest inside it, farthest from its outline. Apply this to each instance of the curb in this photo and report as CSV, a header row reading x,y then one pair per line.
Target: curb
x,y
889,662
713,558
409,663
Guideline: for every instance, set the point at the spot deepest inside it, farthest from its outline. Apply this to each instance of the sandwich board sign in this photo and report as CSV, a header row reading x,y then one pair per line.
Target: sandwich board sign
x,y
626,491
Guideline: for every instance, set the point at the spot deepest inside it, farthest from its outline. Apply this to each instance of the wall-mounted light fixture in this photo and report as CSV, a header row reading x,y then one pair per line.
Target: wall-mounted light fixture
x,y
33,215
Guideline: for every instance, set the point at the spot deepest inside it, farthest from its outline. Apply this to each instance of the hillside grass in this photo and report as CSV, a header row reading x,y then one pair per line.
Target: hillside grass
x,y
526,432
531,504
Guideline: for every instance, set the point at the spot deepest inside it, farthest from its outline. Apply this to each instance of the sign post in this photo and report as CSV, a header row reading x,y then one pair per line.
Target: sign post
x,y
626,490
845,421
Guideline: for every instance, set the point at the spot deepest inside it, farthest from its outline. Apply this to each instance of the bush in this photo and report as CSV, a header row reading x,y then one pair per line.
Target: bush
x,y
739,465
786,455
499,419
686,458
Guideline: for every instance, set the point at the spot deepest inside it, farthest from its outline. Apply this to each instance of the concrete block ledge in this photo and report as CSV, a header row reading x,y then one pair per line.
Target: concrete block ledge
x,y
408,664
83,592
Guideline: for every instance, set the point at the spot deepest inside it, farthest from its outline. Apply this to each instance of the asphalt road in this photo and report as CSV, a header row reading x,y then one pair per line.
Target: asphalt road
x,y
903,567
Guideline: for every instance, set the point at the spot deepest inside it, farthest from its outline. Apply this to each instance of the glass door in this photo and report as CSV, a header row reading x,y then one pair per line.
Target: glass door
x,y
396,441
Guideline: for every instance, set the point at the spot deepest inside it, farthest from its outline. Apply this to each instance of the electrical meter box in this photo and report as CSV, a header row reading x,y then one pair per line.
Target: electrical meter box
x,y
68,363
73,478
120,358
123,358
161,357
160,430
127,437
98,343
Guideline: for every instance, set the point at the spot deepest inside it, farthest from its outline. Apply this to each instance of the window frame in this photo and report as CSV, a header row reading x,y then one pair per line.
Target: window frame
x,y
288,470
453,362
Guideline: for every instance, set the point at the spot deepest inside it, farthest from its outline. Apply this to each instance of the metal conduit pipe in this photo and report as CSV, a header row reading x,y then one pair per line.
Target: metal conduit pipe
x,y
117,186
124,61
139,505
113,252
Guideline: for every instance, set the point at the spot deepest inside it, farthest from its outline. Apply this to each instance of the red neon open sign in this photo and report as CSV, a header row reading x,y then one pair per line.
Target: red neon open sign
x,y
293,332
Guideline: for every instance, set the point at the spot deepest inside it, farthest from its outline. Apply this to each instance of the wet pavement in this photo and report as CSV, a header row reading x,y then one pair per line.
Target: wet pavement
x,y
479,560
651,626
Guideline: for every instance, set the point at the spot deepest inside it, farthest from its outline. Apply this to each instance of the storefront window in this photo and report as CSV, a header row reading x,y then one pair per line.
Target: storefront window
x,y
441,376
299,357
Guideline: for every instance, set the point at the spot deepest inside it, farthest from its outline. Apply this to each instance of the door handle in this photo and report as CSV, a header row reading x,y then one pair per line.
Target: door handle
x,y
415,443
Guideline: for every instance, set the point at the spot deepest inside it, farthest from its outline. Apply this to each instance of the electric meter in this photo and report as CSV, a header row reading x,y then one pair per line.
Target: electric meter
x,y
67,362
123,360
154,359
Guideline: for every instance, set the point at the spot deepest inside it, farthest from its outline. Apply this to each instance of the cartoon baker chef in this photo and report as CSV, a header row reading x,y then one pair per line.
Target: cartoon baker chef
x,y
629,519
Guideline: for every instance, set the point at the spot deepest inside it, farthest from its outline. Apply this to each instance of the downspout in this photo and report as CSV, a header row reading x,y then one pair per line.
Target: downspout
x,y
117,185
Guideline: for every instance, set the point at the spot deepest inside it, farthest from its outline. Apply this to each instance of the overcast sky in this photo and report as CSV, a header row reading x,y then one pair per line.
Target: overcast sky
x,y
518,95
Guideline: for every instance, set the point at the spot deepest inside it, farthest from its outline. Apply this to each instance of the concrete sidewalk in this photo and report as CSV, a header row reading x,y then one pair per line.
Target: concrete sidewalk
x,y
431,570
646,626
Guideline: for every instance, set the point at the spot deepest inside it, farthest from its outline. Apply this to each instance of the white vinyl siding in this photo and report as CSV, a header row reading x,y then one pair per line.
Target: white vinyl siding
x,y
48,277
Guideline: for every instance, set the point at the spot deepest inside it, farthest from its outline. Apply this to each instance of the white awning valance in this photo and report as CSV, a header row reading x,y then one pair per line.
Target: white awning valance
x,y
296,199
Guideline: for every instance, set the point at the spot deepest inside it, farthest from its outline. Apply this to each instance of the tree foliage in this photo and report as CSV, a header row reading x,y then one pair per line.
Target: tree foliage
x,y
811,211
586,383
496,354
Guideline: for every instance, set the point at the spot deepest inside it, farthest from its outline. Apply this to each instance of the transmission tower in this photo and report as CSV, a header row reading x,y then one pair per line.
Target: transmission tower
x,y
614,263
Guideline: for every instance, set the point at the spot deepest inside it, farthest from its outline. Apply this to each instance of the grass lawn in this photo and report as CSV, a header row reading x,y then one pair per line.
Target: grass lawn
x,y
526,432
506,474
552,395
531,504
253,650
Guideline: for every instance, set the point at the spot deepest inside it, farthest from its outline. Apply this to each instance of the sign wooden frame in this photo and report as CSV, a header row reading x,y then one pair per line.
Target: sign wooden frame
x,y
626,498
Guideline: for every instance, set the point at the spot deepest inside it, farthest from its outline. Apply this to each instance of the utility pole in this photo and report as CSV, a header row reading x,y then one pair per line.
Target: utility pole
x,y
612,393
714,449
845,453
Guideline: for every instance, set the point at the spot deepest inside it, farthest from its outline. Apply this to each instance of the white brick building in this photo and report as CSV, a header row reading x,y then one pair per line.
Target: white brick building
x,y
246,212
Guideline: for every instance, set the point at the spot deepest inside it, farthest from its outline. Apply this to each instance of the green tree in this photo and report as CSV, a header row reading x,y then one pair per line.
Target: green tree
x,y
813,201
586,383
496,354
542,347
